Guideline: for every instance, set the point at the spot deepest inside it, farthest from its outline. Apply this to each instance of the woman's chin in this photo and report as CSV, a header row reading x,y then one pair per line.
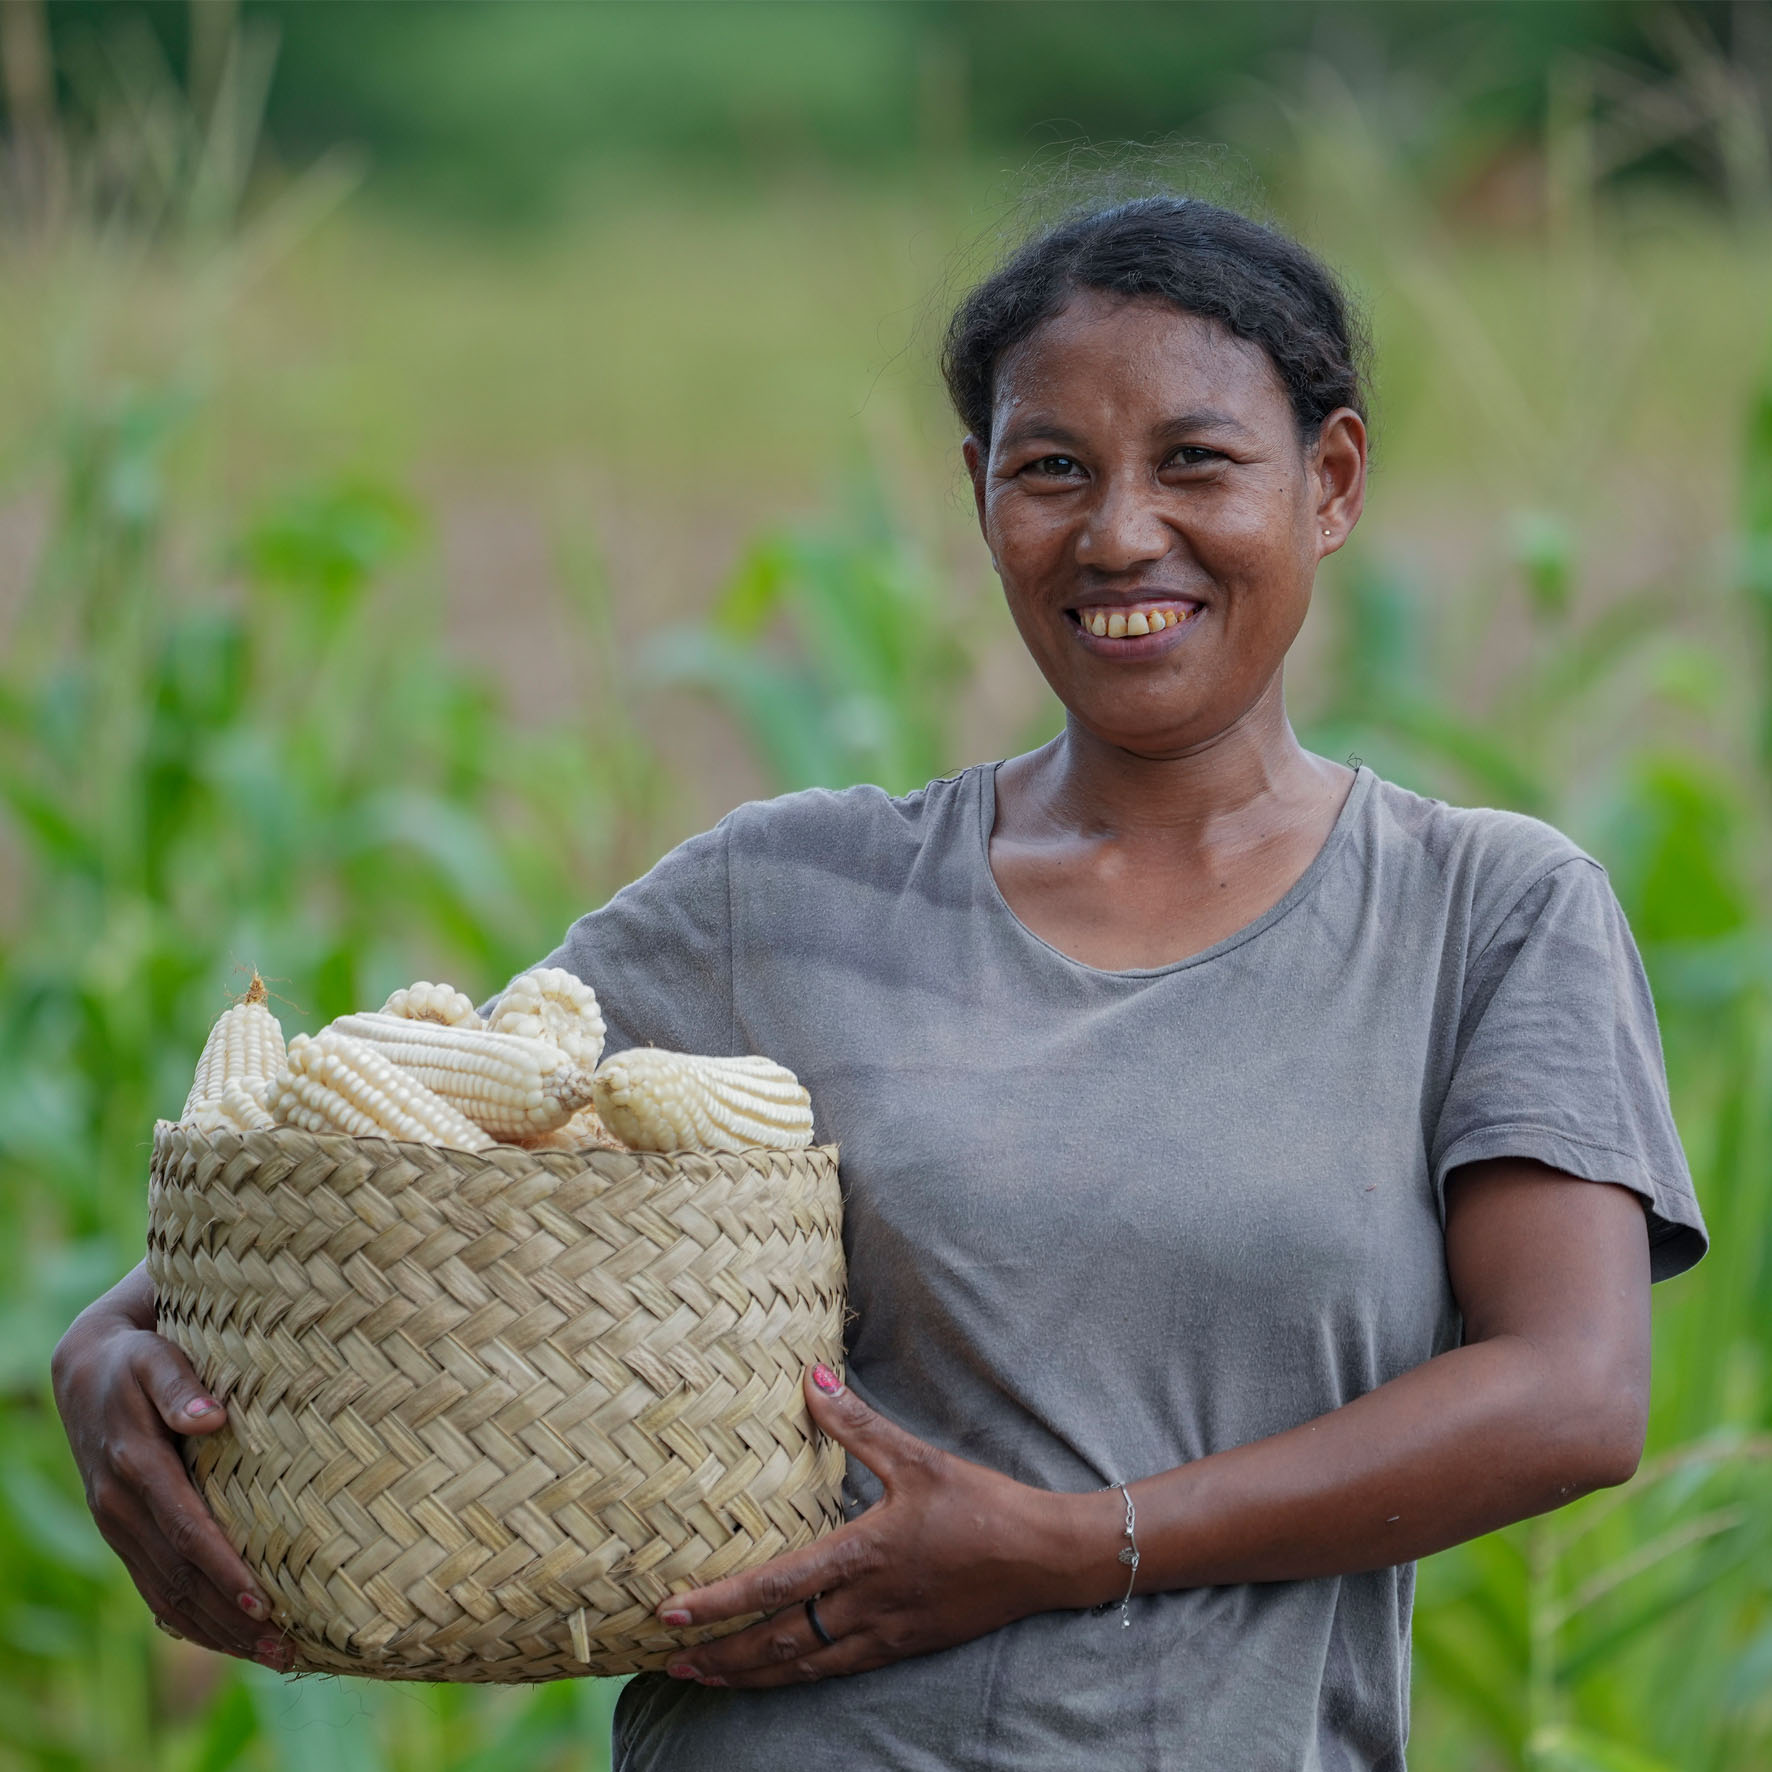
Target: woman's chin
x,y
1156,741
1162,728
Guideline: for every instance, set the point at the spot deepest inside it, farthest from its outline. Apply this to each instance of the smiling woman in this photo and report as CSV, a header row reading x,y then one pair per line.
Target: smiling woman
x,y
1254,1173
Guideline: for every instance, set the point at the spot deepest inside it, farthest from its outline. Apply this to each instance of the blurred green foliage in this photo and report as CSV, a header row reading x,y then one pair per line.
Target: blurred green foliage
x,y
232,734
490,107
867,687
1634,1629
253,762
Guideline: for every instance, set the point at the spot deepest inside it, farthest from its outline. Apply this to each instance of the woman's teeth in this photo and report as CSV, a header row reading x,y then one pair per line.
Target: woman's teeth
x,y
1125,624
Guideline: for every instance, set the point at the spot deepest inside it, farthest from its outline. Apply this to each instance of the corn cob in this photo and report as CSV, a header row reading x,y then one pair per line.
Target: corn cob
x,y
336,1084
434,1002
239,1108
585,1131
672,1101
508,1085
244,1046
550,1004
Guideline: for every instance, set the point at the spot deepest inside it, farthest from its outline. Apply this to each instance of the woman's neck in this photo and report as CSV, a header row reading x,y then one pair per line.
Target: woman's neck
x,y
1227,792
1122,860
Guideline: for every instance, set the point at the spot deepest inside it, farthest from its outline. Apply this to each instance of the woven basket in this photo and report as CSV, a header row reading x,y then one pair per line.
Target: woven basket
x,y
486,1411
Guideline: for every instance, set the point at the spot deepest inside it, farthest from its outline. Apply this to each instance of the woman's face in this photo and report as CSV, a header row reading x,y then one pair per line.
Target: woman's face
x,y
1155,519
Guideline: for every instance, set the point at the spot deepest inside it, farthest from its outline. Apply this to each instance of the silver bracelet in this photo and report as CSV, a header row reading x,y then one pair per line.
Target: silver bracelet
x,y
1128,1556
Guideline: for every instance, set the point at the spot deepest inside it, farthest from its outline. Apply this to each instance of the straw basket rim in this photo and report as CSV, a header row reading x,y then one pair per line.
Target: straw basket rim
x,y
497,1156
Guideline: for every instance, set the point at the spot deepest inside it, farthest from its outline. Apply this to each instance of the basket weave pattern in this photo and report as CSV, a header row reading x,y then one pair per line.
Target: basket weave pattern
x,y
486,1411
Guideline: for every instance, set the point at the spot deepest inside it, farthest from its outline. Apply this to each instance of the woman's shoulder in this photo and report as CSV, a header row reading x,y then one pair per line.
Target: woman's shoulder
x,y
1484,857
861,819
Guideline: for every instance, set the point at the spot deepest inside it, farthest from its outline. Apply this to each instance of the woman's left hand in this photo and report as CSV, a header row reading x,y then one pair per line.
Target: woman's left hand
x,y
951,1552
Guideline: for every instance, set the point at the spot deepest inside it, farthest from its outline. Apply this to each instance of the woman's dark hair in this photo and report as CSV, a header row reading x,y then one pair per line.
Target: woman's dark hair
x,y
1198,257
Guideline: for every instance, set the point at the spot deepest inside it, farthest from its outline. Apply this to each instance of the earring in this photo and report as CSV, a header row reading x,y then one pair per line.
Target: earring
x,y
1325,531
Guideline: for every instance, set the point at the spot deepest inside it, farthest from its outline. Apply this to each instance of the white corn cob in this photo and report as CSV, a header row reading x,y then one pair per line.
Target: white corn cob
x,y
442,1003
239,1108
336,1084
508,1085
585,1131
673,1101
244,1046
550,1004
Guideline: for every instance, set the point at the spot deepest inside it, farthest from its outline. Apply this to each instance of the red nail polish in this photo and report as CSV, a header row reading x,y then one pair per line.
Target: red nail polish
x,y
675,1615
712,1680
681,1670
826,1380
201,1406
252,1605
272,1646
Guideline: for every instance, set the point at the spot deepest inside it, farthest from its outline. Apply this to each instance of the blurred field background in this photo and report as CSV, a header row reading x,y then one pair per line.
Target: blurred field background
x,y
450,452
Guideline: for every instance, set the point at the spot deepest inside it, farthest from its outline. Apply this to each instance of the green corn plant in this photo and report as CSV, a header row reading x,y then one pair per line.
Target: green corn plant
x,y
223,744
1632,1631
838,654
277,768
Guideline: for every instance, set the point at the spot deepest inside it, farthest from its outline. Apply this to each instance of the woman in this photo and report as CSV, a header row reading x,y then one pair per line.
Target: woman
x,y
1255,1172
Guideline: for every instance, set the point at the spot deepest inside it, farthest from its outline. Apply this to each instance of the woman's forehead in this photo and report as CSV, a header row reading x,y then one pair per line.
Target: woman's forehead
x,y
1102,346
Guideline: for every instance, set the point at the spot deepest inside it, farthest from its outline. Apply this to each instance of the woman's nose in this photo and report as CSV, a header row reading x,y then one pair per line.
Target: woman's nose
x,y
1125,530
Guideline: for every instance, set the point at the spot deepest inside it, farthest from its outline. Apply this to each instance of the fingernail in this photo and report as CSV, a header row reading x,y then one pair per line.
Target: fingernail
x,y
826,1380
252,1605
269,1646
712,1680
681,1670
675,1615
202,1406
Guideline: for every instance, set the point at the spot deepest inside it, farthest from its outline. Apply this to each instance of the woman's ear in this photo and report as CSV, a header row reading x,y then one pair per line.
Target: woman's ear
x,y
977,458
976,455
1340,467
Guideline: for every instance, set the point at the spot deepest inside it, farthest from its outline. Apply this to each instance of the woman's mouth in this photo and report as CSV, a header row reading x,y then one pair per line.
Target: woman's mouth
x,y
1124,622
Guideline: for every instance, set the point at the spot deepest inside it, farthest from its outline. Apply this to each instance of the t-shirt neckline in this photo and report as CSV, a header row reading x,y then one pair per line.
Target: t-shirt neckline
x,y
1300,889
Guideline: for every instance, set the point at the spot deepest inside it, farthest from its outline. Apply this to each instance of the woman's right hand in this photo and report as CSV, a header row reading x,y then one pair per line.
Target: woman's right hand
x,y
124,1394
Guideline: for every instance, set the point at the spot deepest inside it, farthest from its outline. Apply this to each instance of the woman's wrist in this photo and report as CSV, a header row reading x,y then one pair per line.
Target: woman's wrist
x,y
1080,1538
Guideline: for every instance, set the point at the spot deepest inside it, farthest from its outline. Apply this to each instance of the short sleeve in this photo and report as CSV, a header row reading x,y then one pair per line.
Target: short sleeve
x,y
1558,1059
659,953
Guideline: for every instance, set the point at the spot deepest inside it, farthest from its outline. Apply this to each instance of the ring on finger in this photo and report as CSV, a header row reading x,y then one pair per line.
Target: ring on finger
x,y
818,1629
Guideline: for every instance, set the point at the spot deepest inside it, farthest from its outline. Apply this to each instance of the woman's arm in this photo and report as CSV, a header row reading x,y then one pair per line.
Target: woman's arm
x,y
1546,1399
125,1394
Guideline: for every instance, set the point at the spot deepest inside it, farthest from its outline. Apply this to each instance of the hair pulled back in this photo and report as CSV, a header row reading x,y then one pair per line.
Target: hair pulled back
x,y
1200,258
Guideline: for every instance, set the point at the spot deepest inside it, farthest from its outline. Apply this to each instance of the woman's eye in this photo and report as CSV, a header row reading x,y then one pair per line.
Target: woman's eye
x,y
1055,467
1192,455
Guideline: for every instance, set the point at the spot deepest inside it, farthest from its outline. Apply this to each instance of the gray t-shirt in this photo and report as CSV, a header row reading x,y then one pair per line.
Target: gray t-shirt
x,y
1101,1223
